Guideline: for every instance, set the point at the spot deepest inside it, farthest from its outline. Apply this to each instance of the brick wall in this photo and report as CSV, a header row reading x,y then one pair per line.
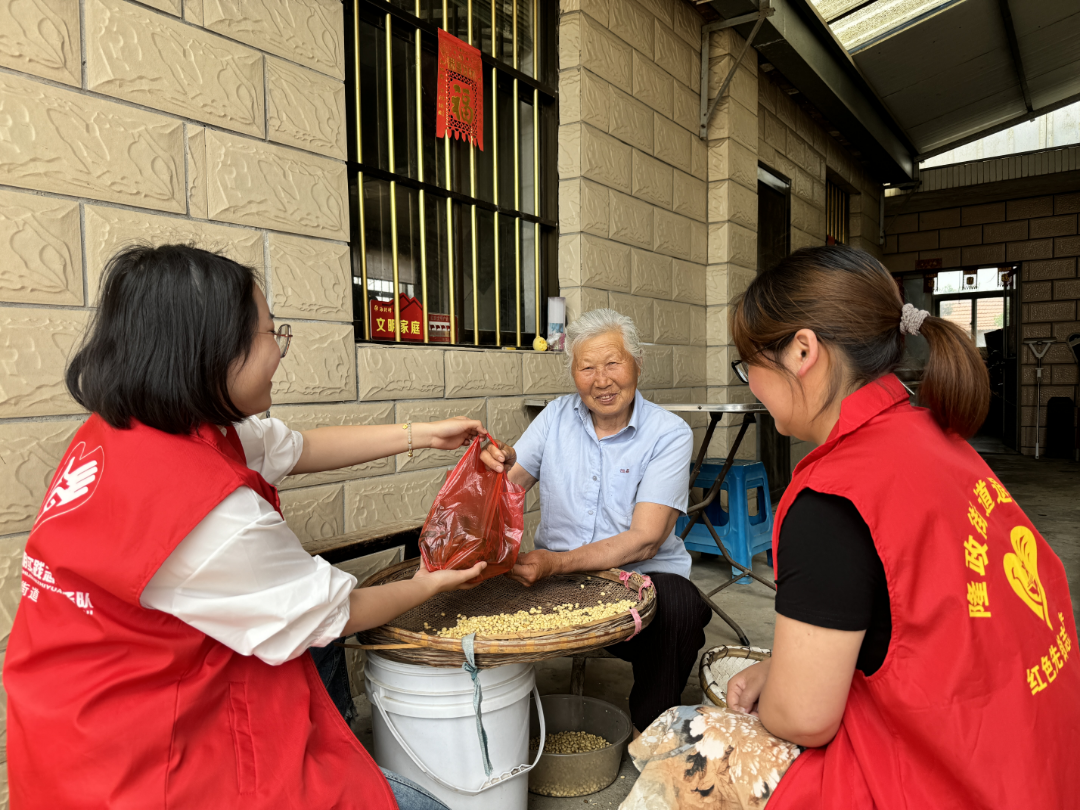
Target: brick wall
x,y
1038,233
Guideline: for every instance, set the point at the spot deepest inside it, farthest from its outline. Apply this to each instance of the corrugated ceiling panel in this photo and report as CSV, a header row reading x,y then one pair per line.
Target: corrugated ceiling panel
x,y
1049,36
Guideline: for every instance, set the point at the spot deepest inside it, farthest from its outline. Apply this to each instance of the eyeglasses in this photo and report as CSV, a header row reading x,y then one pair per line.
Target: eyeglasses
x,y
283,336
742,370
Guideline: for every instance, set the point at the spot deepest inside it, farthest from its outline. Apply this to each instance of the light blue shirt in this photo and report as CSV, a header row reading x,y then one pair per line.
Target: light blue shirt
x,y
589,487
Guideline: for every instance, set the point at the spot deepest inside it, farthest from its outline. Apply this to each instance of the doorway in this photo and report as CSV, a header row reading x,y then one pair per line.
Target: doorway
x,y
774,243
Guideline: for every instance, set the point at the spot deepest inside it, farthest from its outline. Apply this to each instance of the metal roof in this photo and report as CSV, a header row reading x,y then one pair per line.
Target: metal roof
x,y
951,71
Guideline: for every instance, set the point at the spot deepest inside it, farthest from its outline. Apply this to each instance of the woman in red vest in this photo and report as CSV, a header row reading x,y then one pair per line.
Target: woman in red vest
x,y
159,653
925,645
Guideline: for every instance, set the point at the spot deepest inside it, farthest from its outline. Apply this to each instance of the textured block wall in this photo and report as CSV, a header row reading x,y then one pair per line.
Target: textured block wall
x,y
757,122
632,181
1038,233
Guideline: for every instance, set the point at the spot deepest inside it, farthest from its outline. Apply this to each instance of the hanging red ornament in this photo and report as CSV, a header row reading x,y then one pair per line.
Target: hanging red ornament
x,y
459,110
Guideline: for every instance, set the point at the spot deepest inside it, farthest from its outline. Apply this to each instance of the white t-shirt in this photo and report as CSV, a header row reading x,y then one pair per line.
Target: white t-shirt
x,y
242,577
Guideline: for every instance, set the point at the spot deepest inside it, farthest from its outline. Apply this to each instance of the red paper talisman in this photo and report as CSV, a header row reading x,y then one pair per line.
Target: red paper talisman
x,y
459,110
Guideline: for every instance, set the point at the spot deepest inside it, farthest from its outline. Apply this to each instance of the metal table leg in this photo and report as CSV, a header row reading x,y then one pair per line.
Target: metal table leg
x,y
697,512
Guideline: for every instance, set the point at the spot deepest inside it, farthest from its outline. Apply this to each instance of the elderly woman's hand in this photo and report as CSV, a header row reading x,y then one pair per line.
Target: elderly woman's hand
x,y
498,456
535,566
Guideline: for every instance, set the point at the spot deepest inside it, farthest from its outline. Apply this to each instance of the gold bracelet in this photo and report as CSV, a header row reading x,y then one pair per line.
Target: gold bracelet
x,y
407,427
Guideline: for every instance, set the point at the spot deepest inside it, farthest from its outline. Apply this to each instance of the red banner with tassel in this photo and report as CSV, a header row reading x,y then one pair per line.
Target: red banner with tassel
x,y
459,110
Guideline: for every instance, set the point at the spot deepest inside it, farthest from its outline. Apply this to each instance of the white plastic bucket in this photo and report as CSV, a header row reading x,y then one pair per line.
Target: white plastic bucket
x,y
425,729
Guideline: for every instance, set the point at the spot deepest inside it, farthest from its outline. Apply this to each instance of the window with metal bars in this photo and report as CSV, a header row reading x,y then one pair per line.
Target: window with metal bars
x,y
837,212
470,234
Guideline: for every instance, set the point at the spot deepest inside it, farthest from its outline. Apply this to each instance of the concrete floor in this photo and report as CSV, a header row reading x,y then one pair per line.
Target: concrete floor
x,y
1048,491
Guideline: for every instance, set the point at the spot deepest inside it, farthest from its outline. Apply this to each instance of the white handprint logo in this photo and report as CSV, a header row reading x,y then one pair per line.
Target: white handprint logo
x,y
74,486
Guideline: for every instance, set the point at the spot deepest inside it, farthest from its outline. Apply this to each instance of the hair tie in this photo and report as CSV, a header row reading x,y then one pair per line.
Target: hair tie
x,y
911,319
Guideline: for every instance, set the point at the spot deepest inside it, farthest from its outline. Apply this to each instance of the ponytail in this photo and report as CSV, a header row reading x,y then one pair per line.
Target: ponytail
x,y
853,305
955,384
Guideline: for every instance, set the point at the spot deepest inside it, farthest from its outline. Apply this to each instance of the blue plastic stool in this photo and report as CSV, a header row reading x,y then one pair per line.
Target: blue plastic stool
x,y
742,534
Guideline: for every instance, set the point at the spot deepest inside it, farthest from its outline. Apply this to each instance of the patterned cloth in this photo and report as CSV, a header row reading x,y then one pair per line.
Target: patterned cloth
x,y
698,757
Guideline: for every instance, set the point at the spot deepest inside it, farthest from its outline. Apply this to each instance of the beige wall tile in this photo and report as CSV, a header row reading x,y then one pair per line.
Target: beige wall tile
x,y
660,8
545,373
310,278
391,500
733,120
650,274
254,183
595,212
686,109
698,326
305,109
168,6
675,56
604,264
108,230
60,141
638,309
482,373
688,282
632,24
305,31
604,159
731,242
699,158
672,322
657,368
532,500
315,513
385,372
583,299
193,11
652,180
307,417
42,38
729,159
605,54
570,253
723,282
528,535
163,63
808,217
688,365
652,85
195,141
729,200
433,410
687,22
673,235
30,453
699,242
36,345
744,84
672,143
631,220
40,250
630,121
689,196
507,419
319,366
718,364
718,325
569,157
584,96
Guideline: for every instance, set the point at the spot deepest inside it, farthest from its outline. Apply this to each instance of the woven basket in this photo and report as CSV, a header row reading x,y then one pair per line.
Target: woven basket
x,y
720,663
404,639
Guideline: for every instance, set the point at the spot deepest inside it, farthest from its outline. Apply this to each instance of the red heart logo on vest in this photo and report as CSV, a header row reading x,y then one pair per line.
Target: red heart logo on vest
x,y
75,482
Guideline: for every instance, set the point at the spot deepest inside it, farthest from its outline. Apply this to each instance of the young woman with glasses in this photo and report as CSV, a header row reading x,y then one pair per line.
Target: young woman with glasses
x,y
924,629
158,657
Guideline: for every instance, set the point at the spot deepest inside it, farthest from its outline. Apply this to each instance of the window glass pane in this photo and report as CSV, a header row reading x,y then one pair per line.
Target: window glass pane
x,y
485,223
380,255
528,278
403,126
371,51
959,312
525,36
458,14
485,160
528,183
507,279
434,152
951,281
505,140
990,315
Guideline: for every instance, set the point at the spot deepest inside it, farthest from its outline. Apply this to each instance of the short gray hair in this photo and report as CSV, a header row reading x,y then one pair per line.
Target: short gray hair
x,y
598,322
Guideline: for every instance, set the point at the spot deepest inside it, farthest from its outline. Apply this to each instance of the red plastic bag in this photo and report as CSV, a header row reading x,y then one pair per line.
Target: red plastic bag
x,y
477,515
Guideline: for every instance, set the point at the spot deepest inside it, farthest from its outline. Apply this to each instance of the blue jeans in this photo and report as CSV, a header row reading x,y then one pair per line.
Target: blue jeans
x,y
330,661
409,795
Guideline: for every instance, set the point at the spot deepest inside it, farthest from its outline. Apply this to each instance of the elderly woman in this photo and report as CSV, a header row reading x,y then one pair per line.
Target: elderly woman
x,y
613,471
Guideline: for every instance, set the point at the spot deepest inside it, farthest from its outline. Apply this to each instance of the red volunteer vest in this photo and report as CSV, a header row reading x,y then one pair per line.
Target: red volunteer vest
x,y
114,705
977,704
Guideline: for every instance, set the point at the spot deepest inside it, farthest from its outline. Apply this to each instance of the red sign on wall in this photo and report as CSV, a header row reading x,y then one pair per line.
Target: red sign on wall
x,y
459,108
412,321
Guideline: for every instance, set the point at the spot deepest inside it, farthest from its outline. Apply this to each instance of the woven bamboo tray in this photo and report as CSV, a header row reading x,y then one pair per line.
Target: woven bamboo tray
x,y
405,641
720,663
